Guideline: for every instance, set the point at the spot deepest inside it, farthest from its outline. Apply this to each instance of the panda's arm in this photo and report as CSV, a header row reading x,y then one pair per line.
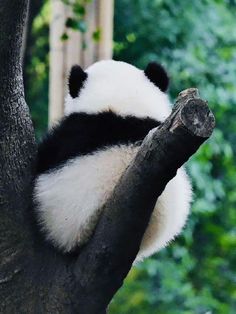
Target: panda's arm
x,y
56,146
48,150
64,141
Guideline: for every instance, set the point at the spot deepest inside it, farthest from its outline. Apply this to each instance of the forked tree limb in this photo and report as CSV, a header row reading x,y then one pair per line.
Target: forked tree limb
x,y
34,277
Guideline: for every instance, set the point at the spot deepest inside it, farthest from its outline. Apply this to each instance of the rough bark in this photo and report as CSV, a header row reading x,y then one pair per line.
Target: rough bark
x,y
17,149
34,277
16,137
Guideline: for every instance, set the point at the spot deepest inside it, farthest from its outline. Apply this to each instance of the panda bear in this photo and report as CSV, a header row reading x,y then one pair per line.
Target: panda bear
x,y
109,110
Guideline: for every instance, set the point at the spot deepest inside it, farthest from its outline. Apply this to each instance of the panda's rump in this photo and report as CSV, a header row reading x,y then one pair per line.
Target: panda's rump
x,y
69,198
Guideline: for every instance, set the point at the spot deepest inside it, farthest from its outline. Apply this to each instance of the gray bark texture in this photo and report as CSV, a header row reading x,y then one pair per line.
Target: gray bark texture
x,y
34,277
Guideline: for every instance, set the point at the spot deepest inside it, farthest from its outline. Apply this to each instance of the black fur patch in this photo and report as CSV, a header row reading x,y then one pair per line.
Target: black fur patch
x,y
157,75
76,80
81,133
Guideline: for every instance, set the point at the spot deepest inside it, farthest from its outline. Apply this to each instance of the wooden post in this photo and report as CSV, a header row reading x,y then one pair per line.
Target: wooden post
x,y
99,15
56,77
106,14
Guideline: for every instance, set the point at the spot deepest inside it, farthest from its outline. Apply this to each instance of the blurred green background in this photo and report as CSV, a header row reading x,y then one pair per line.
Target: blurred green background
x,y
196,41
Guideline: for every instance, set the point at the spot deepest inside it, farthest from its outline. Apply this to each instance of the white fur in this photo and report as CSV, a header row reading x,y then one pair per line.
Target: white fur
x,y
69,198
122,88
169,215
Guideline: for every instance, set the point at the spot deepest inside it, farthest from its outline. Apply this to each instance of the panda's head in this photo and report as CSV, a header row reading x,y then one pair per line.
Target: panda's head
x,y
121,88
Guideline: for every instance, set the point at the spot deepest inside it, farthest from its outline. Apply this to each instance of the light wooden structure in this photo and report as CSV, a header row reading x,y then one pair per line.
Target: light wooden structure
x,y
63,54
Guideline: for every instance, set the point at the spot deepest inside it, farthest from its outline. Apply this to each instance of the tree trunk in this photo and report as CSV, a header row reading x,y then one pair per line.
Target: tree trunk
x,y
34,277
17,153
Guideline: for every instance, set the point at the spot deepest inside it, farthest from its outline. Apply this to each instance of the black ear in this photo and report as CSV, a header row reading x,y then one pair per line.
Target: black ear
x,y
157,75
76,80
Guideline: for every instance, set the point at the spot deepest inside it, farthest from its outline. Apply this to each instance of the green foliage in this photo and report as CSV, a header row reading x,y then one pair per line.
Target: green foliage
x,y
76,24
36,67
36,71
196,42
97,35
64,36
77,21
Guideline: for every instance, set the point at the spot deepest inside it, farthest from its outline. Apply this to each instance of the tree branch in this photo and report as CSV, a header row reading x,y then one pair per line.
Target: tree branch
x,y
107,259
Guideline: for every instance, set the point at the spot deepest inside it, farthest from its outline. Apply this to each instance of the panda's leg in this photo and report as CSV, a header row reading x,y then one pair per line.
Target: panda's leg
x,y
169,215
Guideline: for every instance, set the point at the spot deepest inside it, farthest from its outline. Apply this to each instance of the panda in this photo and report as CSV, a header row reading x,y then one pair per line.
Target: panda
x,y
110,108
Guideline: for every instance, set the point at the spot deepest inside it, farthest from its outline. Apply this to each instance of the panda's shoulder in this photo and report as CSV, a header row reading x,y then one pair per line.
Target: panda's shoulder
x,y
82,133
60,142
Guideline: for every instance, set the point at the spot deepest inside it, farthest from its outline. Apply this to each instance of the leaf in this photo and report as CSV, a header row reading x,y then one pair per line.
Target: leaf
x,y
64,37
72,23
96,35
79,9
76,24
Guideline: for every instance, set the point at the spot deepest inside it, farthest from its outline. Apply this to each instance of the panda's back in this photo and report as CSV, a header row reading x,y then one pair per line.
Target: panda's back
x,y
80,134
110,109
80,162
